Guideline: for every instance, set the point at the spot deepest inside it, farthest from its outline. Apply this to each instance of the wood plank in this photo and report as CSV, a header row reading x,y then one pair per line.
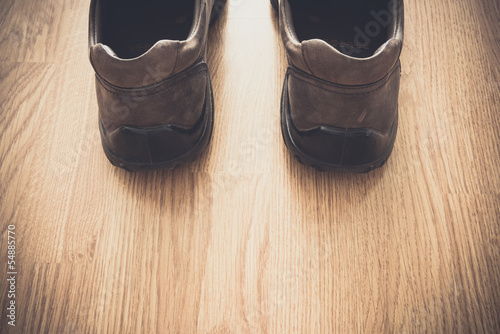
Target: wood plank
x,y
245,239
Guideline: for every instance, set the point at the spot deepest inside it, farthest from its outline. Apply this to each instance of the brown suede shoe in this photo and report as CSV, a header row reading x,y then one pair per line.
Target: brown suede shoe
x,y
340,97
153,87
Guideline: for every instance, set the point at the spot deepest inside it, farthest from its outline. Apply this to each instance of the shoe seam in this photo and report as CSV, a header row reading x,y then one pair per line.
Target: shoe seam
x,y
158,88
176,58
382,84
303,49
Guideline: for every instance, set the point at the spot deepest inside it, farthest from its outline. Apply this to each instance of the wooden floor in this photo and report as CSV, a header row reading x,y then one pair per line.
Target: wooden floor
x,y
247,240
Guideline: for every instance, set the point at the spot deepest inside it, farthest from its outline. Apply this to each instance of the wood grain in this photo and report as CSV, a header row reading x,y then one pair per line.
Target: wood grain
x,y
246,240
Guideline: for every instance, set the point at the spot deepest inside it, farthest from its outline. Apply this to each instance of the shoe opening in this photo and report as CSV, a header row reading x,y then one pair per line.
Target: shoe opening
x,y
131,27
357,28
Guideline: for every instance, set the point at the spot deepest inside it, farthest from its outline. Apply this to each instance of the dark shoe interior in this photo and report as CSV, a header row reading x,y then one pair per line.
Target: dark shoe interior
x,y
132,27
354,27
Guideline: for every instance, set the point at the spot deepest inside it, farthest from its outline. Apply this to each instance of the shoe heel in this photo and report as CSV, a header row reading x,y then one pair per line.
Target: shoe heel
x,y
327,148
161,147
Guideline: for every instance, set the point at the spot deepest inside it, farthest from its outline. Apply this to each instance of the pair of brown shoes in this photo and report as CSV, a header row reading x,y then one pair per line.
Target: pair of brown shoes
x,y
340,97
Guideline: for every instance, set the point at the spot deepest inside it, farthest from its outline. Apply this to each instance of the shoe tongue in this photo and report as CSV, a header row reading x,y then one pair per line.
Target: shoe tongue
x,y
157,64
